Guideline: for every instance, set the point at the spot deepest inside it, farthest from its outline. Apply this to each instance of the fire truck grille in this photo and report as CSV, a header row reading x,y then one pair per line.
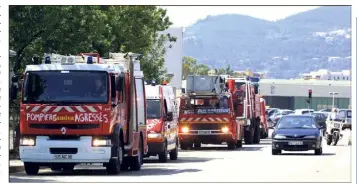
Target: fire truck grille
x,y
64,137
206,126
68,126
63,150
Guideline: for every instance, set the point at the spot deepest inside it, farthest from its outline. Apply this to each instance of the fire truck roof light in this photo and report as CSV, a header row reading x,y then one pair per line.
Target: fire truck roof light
x,y
48,60
90,60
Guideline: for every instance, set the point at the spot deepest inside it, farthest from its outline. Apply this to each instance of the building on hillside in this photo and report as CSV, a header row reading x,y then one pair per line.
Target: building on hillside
x,y
323,74
249,73
174,55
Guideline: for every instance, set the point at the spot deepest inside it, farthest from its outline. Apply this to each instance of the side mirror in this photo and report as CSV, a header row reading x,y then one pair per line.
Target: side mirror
x,y
169,116
13,92
343,120
183,90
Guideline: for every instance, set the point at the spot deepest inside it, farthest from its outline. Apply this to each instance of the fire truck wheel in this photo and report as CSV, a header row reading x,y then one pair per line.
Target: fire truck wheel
x,y
231,145
31,168
184,146
329,139
197,145
248,137
256,138
239,143
114,165
174,153
135,164
163,155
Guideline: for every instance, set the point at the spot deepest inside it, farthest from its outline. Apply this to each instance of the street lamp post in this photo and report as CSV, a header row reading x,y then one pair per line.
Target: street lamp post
x,y
333,98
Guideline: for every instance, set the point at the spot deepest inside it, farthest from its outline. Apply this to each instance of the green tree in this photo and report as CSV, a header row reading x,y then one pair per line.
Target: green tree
x,y
74,29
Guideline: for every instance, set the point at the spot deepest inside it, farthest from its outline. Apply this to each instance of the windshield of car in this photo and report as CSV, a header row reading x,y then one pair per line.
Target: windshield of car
x,y
293,122
65,87
153,109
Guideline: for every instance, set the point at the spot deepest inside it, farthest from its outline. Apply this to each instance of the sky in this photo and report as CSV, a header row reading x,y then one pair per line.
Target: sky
x,y
184,16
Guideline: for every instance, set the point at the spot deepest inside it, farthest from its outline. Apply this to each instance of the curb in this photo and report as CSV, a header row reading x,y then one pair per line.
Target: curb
x,y
15,169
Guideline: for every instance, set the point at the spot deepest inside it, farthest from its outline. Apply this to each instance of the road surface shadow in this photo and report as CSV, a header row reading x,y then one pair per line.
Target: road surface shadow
x,y
244,148
23,180
180,160
306,154
102,172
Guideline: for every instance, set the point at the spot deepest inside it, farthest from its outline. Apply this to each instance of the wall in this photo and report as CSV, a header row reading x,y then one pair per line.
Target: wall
x,y
174,55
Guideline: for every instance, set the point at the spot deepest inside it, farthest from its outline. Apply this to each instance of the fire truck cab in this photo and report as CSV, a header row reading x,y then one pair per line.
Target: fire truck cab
x,y
83,109
162,119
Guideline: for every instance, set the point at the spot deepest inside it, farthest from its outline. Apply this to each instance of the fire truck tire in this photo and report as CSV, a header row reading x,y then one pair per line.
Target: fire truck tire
x,y
329,139
256,138
239,143
174,152
231,145
31,168
248,137
197,145
114,165
184,146
135,164
163,155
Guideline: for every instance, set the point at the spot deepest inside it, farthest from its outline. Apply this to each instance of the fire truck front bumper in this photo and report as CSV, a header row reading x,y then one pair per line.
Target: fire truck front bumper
x,y
206,137
44,150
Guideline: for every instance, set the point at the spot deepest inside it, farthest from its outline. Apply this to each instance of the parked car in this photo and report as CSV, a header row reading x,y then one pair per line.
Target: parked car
x,y
297,133
320,118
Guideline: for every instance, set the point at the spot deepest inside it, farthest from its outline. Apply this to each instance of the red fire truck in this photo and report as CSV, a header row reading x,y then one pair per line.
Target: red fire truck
x,y
207,114
83,109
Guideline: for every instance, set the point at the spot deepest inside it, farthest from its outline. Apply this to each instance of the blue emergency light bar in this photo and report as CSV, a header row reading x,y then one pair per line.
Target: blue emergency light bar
x,y
253,79
89,60
48,60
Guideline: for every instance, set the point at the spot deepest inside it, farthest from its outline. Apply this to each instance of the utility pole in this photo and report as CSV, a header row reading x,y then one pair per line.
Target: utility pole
x,y
333,98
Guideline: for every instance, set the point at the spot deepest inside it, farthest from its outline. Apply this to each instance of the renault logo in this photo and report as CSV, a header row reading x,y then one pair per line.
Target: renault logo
x,y
63,130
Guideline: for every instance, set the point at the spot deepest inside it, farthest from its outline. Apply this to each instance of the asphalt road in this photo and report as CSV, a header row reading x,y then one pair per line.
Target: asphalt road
x,y
213,163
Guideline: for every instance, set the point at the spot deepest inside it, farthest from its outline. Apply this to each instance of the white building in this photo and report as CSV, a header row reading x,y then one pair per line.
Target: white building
x,y
323,74
174,55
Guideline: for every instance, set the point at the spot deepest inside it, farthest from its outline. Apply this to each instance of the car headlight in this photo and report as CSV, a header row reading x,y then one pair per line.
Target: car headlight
x,y
28,141
97,142
279,137
310,137
154,135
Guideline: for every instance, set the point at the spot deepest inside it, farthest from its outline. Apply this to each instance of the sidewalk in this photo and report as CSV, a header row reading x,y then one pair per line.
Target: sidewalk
x,y
16,166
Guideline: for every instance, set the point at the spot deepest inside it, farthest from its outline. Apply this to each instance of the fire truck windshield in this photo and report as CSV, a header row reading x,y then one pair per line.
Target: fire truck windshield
x,y
65,87
153,109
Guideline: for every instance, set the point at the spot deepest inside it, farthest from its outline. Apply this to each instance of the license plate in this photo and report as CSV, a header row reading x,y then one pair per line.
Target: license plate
x,y
295,143
204,132
62,157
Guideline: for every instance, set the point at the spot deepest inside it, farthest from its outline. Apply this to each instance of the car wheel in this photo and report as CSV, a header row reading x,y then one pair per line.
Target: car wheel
x,y
318,151
31,168
275,152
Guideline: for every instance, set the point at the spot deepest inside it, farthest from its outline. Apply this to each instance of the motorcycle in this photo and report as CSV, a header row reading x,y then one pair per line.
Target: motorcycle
x,y
333,132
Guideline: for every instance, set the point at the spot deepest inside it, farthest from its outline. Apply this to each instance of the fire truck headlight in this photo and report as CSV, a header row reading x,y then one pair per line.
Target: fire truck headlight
x,y
101,142
225,129
154,135
28,141
184,129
